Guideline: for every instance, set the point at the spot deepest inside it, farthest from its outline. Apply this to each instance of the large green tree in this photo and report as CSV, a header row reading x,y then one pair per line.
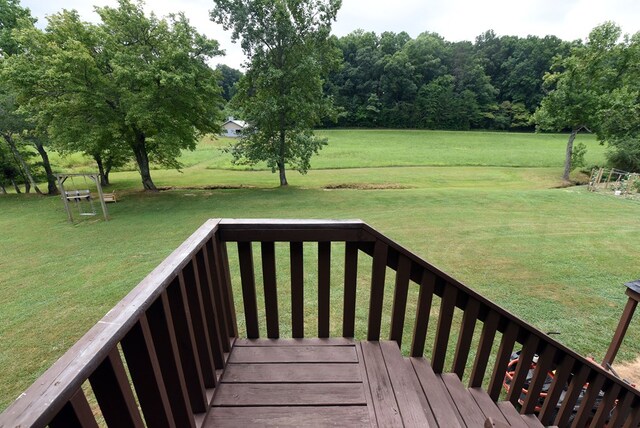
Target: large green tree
x,y
132,82
281,95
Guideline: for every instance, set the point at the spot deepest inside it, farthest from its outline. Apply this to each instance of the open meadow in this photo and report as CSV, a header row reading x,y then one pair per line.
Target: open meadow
x,y
487,208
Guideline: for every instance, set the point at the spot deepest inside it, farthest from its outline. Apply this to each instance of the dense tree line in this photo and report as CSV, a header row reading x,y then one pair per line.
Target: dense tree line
x,y
392,80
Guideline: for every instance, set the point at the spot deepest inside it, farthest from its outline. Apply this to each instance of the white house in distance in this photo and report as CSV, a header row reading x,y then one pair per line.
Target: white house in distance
x,y
233,127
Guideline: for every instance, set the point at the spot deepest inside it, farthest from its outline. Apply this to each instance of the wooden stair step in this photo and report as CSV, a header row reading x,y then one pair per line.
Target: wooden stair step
x,y
329,416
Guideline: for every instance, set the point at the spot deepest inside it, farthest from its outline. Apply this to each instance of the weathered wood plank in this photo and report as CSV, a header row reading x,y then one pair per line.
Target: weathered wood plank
x,y
324,287
245,254
425,297
465,337
467,407
545,361
522,369
487,337
297,289
298,354
378,270
399,309
575,387
212,311
292,373
222,263
413,405
502,359
589,399
350,283
612,395
76,413
310,341
365,385
270,289
289,394
312,417
511,414
487,405
439,399
447,306
562,374
622,410
531,421
384,400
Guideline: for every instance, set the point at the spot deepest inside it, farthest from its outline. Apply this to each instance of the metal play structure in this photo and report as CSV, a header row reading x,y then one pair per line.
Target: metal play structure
x,y
81,198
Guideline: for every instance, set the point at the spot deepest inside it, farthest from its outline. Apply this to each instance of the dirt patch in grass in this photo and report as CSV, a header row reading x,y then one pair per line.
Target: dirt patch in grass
x,y
629,370
206,187
365,186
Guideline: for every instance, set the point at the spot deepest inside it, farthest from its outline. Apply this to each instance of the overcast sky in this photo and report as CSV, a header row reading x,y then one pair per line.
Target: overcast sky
x,y
455,20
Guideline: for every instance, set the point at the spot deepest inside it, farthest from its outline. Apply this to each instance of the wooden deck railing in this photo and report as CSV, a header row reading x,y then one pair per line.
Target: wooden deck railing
x,y
177,326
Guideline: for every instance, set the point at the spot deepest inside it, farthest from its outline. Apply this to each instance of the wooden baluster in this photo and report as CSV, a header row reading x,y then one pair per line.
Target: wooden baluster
x,y
111,387
585,410
216,274
467,328
425,298
191,294
502,359
523,366
187,348
612,393
297,289
76,413
166,346
350,284
222,262
400,299
212,314
633,420
560,378
622,410
447,306
270,289
487,337
144,368
378,270
545,361
324,288
248,289
575,387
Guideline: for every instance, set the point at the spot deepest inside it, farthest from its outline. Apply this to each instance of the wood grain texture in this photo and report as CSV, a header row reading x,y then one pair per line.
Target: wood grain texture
x,y
292,373
270,289
439,399
312,417
289,394
294,354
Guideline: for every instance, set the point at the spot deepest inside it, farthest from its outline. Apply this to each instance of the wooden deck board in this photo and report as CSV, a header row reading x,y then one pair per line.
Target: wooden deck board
x,y
348,416
440,401
293,373
294,354
290,394
469,410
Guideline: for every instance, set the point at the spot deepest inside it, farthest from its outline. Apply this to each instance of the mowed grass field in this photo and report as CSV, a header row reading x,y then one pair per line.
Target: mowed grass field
x,y
484,207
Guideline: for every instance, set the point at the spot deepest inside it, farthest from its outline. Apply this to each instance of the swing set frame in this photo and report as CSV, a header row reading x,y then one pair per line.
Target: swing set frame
x,y
61,178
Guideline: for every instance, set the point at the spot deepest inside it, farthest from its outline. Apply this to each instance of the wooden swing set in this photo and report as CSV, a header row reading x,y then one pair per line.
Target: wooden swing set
x,y
82,198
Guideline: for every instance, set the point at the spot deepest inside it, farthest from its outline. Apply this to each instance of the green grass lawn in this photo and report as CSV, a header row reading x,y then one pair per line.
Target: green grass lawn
x,y
483,207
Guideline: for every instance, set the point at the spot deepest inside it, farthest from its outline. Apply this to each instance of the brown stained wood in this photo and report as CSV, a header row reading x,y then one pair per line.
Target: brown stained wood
x,y
621,330
144,368
76,413
487,405
111,387
222,258
289,394
384,400
622,410
187,347
511,414
467,407
292,373
217,284
612,394
324,287
434,390
633,420
522,369
288,235
485,345
213,315
193,305
502,359
447,306
297,289
350,283
270,289
575,386
312,417
425,297
310,341
365,385
299,354
545,361
531,421
378,270
398,312
413,405
465,337
245,254
561,376
166,346
586,405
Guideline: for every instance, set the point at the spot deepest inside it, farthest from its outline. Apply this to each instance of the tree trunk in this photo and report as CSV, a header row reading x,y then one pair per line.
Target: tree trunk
x,y
569,154
15,186
2,189
281,150
104,179
22,163
142,158
52,188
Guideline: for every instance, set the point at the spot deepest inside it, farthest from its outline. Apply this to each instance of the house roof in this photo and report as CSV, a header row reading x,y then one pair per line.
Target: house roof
x,y
240,123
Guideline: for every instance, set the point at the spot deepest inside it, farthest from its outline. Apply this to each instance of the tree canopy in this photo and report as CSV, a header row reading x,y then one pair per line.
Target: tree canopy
x,y
281,95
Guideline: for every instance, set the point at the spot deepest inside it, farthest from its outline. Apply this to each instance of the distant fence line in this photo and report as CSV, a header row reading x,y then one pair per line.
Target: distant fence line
x,y
617,181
